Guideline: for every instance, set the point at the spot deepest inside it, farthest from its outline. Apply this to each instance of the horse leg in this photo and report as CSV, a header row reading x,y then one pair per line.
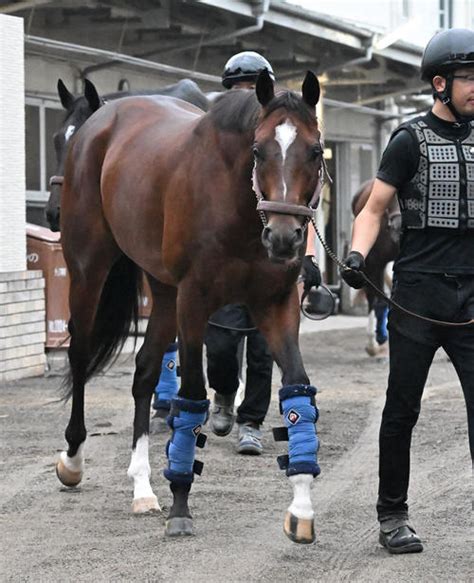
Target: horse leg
x,y
84,297
161,330
376,273
188,411
373,273
372,347
280,325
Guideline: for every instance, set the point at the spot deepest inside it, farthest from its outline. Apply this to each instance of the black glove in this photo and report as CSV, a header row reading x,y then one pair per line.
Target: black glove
x,y
310,273
352,276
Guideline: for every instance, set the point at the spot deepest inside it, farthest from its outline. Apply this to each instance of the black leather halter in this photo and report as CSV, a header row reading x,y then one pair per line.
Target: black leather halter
x,y
284,208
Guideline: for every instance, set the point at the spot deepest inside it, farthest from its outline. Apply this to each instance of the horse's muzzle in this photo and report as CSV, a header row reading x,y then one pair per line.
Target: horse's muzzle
x,y
282,245
52,216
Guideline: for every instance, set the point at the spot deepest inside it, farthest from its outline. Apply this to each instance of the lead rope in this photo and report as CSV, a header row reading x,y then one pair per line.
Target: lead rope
x,y
380,293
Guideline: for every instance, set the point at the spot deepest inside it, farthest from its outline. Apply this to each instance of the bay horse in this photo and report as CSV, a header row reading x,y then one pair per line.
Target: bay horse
x,y
154,184
384,250
79,109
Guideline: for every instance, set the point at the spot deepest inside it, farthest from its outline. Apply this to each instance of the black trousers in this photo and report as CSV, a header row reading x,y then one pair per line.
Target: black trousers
x,y
413,344
223,362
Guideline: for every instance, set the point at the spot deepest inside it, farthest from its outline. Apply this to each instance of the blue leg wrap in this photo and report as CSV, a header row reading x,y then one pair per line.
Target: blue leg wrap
x,y
167,387
381,314
298,407
186,419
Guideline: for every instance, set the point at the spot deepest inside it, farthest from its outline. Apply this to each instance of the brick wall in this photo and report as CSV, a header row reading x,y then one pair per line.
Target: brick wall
x,y
22,303
22,325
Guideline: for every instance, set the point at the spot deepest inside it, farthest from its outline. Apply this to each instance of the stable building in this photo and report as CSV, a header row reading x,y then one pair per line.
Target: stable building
x,y
133,45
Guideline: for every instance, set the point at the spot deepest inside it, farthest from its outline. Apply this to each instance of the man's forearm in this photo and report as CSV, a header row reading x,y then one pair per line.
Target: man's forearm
x,y
365,231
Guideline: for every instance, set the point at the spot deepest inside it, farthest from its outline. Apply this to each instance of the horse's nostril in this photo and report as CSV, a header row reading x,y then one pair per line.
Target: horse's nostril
x,y
298,237
267,236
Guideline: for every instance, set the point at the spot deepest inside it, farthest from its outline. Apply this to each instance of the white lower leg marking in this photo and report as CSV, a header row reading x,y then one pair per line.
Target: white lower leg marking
x,y
75,463
285,135
301,507
139,469
371,330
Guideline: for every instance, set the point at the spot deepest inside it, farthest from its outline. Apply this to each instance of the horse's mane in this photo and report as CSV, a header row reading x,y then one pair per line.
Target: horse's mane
x,y
238,110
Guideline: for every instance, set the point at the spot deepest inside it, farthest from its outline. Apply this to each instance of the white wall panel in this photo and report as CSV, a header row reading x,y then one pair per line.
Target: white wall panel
x,y
12,146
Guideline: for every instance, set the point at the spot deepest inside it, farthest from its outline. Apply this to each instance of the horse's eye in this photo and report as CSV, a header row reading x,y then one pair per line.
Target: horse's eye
x,y
257,153
315,152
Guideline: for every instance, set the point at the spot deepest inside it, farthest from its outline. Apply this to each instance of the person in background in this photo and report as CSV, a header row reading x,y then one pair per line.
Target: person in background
x,y
231,324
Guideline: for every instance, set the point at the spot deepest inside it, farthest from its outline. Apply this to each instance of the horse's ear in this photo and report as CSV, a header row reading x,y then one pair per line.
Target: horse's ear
x,y
264,88
66,97
90,93
311,90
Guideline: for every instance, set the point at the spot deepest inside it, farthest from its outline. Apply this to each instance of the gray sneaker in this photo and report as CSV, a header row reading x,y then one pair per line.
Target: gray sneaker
x,y
250,439
158,423
221,419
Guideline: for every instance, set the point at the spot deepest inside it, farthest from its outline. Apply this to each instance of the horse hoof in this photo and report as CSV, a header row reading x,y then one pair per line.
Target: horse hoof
x,y
145,505
299,530
379,351
66,476
179,526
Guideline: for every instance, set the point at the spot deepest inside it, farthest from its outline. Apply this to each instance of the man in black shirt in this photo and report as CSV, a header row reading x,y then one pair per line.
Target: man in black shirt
x,y
430,162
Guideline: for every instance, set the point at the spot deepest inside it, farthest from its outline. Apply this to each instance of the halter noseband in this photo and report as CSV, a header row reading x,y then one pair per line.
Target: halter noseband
x,y
286,208
56,180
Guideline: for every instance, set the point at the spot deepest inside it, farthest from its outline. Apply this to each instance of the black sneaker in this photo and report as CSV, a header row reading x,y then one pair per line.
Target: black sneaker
x,y
401,540
158,422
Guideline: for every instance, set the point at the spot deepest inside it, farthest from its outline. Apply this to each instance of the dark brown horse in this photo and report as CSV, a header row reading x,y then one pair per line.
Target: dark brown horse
x,y
78,111
154,184
385,250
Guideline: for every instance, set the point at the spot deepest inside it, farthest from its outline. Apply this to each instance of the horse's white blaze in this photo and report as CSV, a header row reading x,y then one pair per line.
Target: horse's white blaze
x,y
139,469
301,507
75,463
69,131
285,135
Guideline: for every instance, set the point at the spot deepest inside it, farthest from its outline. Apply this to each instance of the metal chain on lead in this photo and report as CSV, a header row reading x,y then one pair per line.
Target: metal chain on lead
x,y
326,247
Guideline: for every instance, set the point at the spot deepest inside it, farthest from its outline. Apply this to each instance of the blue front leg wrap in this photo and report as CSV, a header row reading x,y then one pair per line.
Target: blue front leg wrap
x,y
167,387
381,332
186,419
298,407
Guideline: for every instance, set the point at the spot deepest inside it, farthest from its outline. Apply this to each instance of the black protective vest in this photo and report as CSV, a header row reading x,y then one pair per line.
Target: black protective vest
x,y
441,194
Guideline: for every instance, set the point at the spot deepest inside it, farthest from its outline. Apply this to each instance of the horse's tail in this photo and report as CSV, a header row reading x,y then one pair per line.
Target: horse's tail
x,y
116,317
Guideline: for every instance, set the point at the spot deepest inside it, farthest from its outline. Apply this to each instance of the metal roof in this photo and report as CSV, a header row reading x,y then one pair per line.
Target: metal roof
x,y
195,37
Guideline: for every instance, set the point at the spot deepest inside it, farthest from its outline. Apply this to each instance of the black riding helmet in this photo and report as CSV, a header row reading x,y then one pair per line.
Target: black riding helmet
x,y
445,52
244,67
